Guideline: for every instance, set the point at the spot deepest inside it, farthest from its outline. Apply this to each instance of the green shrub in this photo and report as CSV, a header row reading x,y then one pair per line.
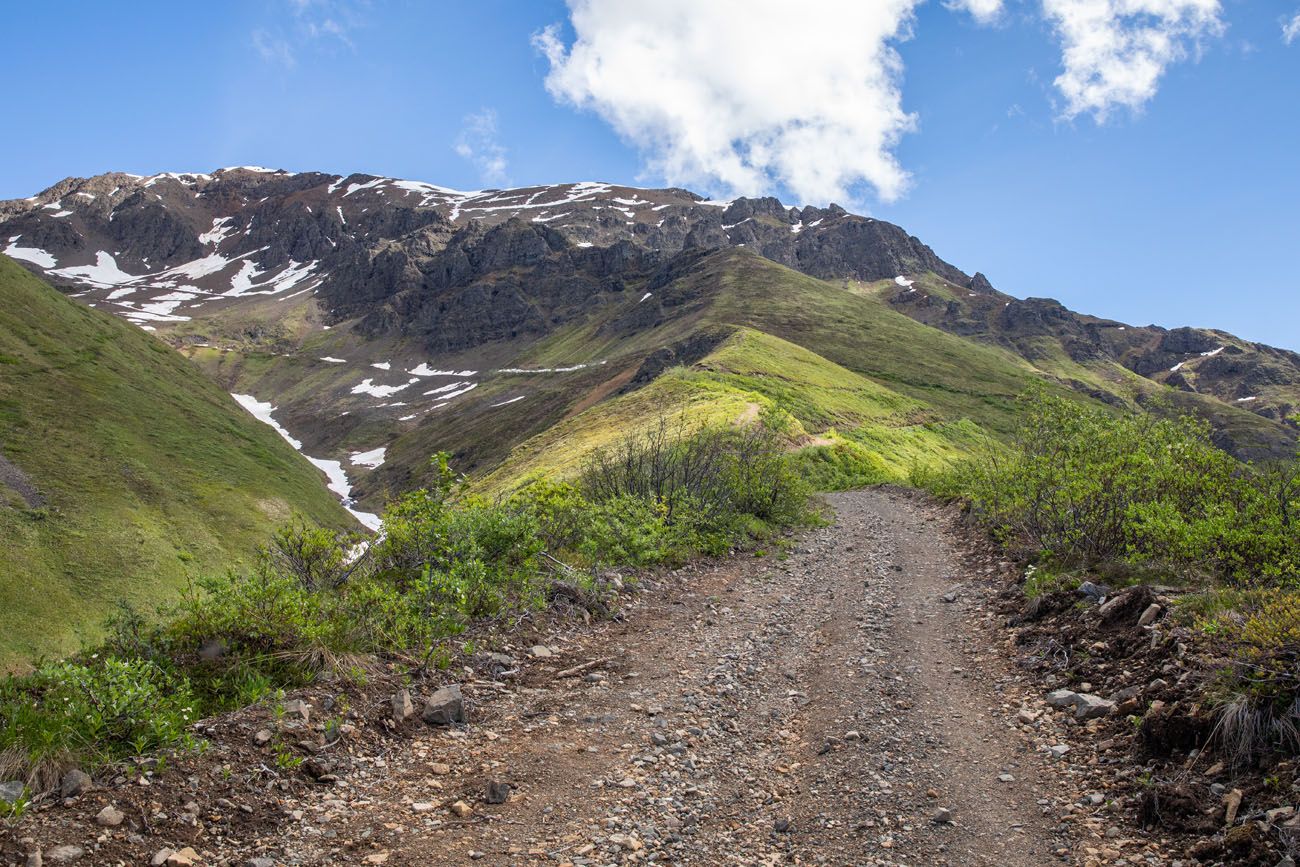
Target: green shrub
x,y
316,602
707,481
1080,486
88,713
841,466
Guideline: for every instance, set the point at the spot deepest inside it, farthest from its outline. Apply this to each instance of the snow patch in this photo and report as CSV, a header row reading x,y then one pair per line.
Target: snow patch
x,y
103,273
337,479
367,386
221,229
333,360
35,255
372,459
425,370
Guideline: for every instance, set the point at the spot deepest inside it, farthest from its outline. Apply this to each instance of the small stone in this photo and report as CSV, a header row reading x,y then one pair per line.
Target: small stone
x,y
539,651
263,737
942,816
1058,751
295,709
74,783
781,825
1150,614
1026,716
110,817
64,854
261,862
950,596
461,809
446,706
1089,706
34,859
403,708
160,857
423,807
440,768
1062,698
1231,804
627,841
1006,778
12,790
1126,694
377,858
498,792
186,857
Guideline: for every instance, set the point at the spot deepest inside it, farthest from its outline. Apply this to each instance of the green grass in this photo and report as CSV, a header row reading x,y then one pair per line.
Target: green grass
x,y
869,432
151,473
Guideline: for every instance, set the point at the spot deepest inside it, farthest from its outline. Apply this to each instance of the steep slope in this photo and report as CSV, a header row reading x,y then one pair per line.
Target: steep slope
x,y
123,470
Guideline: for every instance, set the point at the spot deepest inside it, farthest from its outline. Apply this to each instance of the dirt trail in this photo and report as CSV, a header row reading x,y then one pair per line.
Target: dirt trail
x,y
819,710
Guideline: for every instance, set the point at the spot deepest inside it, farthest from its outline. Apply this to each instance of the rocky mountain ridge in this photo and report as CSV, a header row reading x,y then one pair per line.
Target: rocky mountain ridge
x,y
355,309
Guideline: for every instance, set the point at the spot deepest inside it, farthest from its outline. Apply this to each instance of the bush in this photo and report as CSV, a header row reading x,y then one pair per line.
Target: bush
x,y
1081,486
88,713
707,481
318,601
1257,695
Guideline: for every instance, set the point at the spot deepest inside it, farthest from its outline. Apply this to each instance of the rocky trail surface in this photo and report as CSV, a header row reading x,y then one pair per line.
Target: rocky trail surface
x,y
848,704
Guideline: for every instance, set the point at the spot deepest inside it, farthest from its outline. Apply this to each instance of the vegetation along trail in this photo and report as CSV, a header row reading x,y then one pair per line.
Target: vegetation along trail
x,y
842,706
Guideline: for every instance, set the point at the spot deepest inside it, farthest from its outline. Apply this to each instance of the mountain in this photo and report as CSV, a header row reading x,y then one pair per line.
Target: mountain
x,y
124,471
385,319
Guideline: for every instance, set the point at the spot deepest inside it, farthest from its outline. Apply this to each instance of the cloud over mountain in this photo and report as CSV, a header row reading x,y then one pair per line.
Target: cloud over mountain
x,y
740,96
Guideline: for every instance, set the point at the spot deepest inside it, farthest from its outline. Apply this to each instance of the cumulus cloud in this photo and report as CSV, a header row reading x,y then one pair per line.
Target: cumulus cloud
x,y
983,11
478,143
737,96
1291,29
1114,52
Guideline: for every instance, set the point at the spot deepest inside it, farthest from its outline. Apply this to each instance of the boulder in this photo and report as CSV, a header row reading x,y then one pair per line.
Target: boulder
x,y
12,790
74,782
446,706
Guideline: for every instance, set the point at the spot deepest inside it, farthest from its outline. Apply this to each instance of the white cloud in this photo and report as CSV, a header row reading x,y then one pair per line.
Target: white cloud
x,y
478,143
1291,29
983,11
297,24
273,49
737,96
1114,52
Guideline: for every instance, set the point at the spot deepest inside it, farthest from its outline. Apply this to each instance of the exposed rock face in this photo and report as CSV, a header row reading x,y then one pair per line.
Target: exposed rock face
x,y
455,271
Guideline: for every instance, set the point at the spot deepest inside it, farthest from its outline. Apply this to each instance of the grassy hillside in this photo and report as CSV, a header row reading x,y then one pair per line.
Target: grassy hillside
x,y
123,470
825,407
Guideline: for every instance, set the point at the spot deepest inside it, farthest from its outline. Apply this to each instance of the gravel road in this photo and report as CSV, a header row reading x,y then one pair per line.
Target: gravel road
x,y
841,706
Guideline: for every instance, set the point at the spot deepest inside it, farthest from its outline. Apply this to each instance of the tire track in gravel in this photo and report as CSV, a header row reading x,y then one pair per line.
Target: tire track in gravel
x,y
816,710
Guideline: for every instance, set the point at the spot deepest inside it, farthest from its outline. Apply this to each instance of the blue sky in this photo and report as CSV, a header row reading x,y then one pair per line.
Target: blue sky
x,y
1170,199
